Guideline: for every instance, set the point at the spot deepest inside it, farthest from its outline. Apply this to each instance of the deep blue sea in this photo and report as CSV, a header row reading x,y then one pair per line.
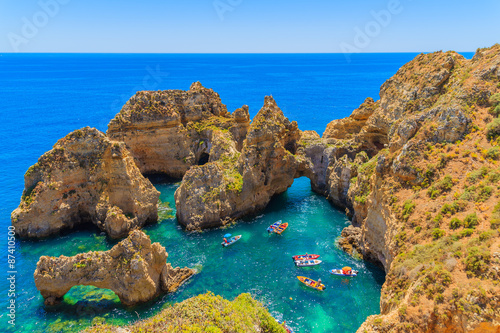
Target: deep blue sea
x,y
45,96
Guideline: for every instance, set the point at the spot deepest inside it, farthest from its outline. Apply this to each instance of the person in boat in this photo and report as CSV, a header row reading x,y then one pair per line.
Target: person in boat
x,y
225,240
319,282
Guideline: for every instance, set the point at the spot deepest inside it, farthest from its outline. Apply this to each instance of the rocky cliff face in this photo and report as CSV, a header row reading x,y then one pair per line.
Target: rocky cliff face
x,y
170,131
237,183
424,200
134,269
85,178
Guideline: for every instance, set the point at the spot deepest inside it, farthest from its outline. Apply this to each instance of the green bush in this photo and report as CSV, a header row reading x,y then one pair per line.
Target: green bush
x,y
437,233
448,209
493,177
484,236
437,220
476,175
484,193
493,129
477,260
495,223
465,233
455,223
471,221
440,187
496,111
408,208
495,99
493,153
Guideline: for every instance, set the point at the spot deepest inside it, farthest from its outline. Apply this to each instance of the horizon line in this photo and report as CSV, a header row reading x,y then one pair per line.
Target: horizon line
x,y
236,53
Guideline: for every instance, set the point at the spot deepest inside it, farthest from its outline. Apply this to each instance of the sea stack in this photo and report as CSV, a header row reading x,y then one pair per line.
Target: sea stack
x,y
135,269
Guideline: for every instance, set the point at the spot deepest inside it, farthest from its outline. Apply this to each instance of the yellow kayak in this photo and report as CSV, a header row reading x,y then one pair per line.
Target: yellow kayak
x,y
311,283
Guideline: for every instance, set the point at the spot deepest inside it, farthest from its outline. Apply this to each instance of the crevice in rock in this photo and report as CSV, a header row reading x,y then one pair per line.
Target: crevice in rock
x,y
204,158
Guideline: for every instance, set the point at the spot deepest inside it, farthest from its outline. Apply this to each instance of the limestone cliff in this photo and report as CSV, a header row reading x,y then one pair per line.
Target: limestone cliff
x,y
134,269
237,183
170,131
85,178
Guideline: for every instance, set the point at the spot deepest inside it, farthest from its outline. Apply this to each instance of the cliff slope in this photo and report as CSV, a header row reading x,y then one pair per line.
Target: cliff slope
x,y
426,203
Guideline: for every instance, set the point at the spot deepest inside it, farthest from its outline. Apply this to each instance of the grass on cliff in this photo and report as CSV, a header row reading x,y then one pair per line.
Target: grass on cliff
x,y
206,313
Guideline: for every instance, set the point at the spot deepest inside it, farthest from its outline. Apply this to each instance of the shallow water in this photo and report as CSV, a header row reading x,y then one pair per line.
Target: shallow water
x,y
259,263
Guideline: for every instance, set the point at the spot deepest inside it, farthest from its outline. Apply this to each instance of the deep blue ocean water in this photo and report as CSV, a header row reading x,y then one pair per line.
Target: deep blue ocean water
x,y
45,96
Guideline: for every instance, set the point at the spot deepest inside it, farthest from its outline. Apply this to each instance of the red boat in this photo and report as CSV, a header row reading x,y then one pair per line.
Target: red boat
x,y
305,257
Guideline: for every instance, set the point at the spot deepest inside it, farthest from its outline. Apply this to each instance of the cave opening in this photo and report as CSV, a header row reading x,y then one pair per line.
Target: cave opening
x,y
204,157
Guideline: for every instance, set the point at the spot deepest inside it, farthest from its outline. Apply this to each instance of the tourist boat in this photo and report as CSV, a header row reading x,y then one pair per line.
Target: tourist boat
x,y
311,283
283,323
305,263
281,228
231,241
273,226
305,257
346,271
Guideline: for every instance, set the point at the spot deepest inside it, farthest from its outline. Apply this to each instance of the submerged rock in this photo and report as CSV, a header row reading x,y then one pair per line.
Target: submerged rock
x,y
134,269
85,178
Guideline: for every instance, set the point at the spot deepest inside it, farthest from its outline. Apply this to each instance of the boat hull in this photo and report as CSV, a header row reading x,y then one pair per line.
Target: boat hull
x,y
340,273
279,230
273,226
311,283
304,257
231,241
307,263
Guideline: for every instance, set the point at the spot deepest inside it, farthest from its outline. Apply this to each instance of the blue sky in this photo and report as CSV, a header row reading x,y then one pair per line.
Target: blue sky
x,y
241,26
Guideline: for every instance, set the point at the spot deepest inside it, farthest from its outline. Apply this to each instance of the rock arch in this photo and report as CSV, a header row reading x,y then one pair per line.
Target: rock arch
x,y
134,269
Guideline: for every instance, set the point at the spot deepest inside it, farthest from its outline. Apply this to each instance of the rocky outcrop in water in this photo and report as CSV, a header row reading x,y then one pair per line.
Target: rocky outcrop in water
x,y
239,183
170,131
134,269
85,178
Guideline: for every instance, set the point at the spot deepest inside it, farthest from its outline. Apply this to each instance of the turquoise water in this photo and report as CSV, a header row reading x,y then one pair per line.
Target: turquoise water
x,y
259,263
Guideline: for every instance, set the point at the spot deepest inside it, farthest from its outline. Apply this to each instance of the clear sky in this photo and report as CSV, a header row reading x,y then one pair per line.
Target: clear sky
x,y
246,26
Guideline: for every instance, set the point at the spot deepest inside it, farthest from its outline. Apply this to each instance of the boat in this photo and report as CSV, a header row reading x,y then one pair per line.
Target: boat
x,y
281,228
305,263
311,283
231,241
283,323
273,226
346,271
305,257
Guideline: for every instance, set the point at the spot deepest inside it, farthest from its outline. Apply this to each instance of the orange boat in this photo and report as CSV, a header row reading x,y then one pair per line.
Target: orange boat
x,y
311,283
281,228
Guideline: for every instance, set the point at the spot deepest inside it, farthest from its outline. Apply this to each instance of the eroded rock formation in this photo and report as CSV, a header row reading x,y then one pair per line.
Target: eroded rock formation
x,y
237,183
85,178
134,269
170,131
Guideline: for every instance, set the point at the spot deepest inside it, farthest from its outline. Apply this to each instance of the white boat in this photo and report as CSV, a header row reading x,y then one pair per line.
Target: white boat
x,y
305,263
344,272
231,241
